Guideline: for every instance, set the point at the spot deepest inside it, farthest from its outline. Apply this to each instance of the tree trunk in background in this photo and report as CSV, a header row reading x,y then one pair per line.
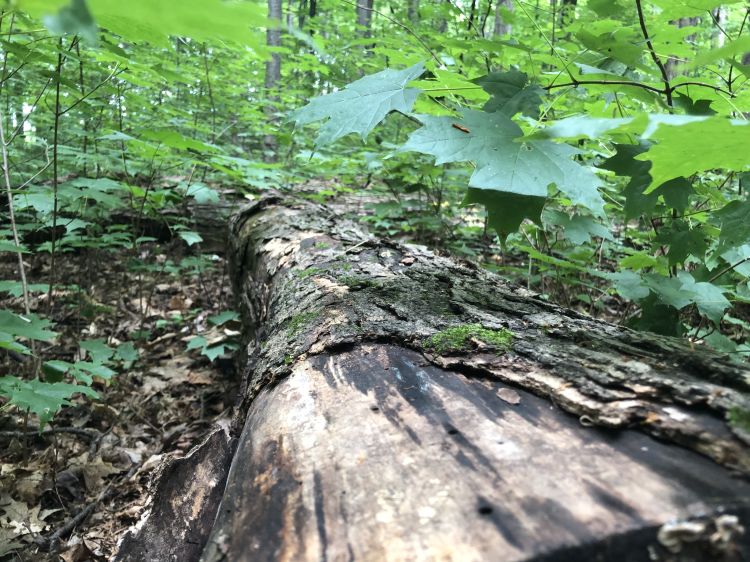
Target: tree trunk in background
x,y
398,405
672,63
413,11
364,17
273,75
720,16
502,28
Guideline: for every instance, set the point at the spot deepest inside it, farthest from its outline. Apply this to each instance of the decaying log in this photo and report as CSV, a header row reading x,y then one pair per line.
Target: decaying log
x,y
403,406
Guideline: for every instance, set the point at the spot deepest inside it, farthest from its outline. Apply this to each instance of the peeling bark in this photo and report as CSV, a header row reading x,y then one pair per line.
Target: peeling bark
x,y
367,433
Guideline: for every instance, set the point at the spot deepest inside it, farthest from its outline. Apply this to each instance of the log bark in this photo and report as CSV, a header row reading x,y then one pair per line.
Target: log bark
x,y
399,405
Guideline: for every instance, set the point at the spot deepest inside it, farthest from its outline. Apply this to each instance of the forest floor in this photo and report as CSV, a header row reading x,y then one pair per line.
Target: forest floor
x,y
81,483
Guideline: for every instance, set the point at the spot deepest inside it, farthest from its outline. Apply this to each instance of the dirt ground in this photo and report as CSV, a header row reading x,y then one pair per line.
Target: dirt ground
x,y
72,490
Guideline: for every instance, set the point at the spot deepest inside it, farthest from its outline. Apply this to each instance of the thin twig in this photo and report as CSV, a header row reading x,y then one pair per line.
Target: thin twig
x,y
654,56
13,225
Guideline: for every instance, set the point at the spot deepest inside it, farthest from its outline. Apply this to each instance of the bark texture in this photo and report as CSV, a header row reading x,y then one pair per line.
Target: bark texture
x,y
399,405
373,433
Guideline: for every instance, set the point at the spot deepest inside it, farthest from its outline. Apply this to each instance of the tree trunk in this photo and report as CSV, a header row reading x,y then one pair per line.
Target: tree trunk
x,y
364,16
502,28
273,73
672,63
398,405
413,11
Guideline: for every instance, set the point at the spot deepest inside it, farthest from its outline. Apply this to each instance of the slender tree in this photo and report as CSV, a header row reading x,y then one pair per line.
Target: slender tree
x,y
364,16
273,71
501,27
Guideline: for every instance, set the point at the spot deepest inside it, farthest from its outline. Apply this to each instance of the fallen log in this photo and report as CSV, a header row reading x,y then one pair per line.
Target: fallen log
x,y
398,405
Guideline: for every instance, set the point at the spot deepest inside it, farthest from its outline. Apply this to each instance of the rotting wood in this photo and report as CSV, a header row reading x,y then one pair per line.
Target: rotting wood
x,y
539,446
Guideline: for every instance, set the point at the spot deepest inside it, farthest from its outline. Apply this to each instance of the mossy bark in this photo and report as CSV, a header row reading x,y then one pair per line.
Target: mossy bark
x,y
399,405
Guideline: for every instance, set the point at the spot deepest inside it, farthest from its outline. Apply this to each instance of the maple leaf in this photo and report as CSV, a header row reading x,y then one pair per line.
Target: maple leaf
x,y
502,164
360,106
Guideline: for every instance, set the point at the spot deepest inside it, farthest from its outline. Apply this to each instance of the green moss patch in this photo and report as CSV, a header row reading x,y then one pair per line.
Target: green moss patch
x,y
302,274
458,338
298,321
740,419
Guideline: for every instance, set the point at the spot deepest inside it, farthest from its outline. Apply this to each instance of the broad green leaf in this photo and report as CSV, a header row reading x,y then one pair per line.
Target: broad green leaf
x,y
669,290
734,220
683,240
7,341
578,229
506,211
683,8
697,146
74,19
41,398
360,106
511,93
736,256
27,326
629,285
523,168
622,44
175,140
10,246
15,289
190,237
623,163
196,342
447,82
127,353
223,317
709,298
98,350
202,193
155,21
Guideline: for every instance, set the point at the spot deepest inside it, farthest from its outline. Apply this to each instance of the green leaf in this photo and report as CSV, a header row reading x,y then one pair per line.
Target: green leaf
x,y
735,256
734,220
683,241
214,351
191,237
74,19
223,317
15,289
623,163
28,326
578,229
127,353
629,285
361,105
506,211
41,398
682,8
155,21
682,150
98,350
657,317
709,298
622,44
202,194
523,168
669,290
511,93
10,246
196,342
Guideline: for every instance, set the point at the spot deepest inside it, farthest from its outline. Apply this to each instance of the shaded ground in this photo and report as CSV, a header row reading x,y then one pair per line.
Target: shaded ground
x,y
88,472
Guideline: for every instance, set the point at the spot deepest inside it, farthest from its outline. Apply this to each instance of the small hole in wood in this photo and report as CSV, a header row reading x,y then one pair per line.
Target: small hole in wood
x,y
485,510
452,430
374,408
